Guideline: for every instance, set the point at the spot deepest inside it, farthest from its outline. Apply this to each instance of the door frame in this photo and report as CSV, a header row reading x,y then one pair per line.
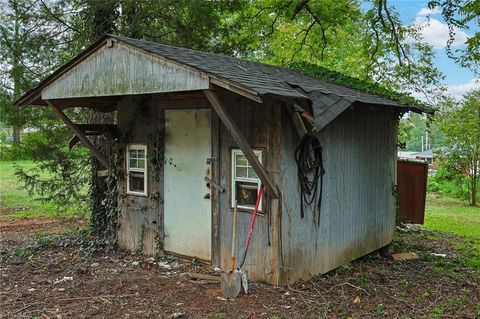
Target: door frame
x,y
215,195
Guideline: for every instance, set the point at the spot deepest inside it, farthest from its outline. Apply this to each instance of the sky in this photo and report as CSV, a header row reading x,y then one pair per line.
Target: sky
x,y
435,32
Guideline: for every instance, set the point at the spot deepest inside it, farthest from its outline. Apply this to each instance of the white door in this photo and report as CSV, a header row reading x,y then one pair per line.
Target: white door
x,y
188,217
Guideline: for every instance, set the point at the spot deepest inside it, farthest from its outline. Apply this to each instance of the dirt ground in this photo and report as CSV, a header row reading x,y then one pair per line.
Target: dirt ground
x,y
55,281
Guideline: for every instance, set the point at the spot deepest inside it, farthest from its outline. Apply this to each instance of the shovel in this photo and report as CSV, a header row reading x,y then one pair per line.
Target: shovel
x,y
243,275
231,281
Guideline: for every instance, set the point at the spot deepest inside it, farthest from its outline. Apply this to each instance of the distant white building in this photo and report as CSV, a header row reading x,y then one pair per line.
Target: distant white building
x,y
406,155
425,156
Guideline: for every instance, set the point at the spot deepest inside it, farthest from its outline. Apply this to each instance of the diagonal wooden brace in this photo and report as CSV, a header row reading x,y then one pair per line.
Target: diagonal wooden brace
x,y
241,142
81,136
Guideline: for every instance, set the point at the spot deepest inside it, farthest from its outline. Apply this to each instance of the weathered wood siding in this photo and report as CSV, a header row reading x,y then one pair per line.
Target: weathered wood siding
x,y
123,70
141,120
358,209
140,218
260,124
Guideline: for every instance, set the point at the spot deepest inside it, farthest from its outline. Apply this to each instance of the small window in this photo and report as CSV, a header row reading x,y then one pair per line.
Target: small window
x,y
137,169
245,182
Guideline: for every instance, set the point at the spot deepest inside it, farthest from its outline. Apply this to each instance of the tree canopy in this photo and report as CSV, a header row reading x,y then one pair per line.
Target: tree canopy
x,y
460,124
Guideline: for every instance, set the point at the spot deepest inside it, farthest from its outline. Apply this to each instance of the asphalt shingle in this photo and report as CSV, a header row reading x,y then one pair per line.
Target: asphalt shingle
x,y
261,78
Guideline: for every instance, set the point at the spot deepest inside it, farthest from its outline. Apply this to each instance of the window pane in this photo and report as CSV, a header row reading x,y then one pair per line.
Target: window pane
x,y
141,153
136,182
133,163
246,193
240,159
241,172
132,153
141,163
251,173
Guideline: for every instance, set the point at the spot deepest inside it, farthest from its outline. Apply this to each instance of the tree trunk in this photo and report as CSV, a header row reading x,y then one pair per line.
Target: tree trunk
x,y
474,182
16,135
100,220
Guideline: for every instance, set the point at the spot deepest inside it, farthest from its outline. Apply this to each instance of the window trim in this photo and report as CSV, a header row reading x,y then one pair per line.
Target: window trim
x,y
140,170
235,151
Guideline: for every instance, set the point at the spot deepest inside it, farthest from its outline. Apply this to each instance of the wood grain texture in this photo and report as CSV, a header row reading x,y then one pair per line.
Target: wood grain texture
x,y
123,70
242,143
140,222
358,206
260,125
358,211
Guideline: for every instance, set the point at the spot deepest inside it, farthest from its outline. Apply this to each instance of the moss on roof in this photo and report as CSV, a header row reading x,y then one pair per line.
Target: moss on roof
x,y
358,84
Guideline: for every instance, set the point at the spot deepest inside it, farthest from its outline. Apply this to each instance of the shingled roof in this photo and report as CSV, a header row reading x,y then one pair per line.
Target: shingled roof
x,y
327,99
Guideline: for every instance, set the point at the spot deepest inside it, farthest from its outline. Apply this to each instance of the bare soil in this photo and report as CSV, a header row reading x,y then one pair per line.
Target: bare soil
x,y
55,281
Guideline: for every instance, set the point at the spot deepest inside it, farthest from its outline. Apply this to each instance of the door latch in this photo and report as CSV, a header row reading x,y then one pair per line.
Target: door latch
x,y
210,160
215,185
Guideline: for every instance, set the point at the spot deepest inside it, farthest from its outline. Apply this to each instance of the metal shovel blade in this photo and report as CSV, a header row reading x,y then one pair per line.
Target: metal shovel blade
x,y
231,284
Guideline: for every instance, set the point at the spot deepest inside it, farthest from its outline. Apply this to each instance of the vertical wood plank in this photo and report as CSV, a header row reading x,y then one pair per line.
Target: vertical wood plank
x,y
215,194
241,141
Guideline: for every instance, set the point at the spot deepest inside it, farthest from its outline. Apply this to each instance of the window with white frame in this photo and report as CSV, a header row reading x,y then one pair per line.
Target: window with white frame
x,y
245,182
137,169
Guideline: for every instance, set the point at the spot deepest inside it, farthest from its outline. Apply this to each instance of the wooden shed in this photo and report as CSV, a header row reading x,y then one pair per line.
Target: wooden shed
x,y
196,131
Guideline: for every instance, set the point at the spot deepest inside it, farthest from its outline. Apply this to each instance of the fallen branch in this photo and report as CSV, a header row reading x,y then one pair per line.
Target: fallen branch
x,y
205,277
348,284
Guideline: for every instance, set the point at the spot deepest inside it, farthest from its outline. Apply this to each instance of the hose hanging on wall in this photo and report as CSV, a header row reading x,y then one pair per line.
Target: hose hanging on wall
x,y
309,159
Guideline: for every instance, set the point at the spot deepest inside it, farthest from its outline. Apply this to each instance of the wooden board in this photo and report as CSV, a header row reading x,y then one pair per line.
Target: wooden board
x,y
123,70
358,206
404,256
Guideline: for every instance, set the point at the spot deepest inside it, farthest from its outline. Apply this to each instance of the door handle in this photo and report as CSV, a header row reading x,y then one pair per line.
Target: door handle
x,y
215,185
206,196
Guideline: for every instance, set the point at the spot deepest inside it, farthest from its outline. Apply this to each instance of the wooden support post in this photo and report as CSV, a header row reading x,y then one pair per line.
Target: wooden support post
x,y
81,136
241,142
276,263
72,142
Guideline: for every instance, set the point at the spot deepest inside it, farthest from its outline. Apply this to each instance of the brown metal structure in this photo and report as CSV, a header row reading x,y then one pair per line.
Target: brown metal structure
x,y
412,190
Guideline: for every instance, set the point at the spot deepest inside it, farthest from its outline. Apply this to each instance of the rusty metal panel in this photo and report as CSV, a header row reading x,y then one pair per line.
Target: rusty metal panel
x,y
412,190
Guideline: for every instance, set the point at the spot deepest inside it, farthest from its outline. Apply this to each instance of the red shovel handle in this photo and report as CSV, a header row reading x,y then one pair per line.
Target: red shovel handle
x,y
252,224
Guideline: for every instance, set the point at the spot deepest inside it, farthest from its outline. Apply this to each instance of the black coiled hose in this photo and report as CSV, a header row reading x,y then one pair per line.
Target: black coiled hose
x,y
309,159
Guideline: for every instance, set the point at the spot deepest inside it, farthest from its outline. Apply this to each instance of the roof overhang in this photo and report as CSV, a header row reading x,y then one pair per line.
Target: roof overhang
x,y
109,69
114,66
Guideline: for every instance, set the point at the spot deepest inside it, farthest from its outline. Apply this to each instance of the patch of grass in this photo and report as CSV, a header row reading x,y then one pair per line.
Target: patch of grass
x,y
17,203
379,310
437,312
452,215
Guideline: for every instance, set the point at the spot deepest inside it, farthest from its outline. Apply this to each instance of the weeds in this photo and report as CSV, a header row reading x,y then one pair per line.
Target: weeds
x,y
379,310
81,240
